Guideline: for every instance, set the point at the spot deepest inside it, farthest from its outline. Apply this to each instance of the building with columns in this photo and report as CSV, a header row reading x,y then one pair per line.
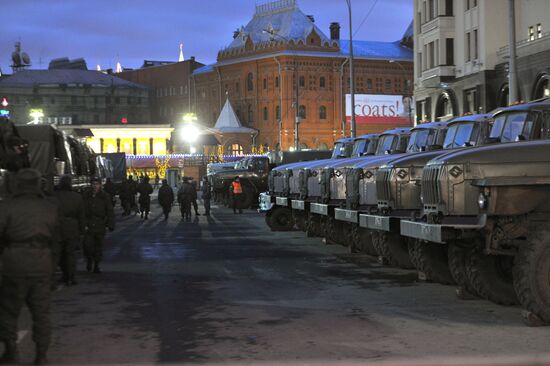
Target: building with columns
x,y
281,66
462,55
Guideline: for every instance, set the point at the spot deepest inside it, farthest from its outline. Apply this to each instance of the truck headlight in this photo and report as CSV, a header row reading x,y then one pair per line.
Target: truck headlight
x,y
482,201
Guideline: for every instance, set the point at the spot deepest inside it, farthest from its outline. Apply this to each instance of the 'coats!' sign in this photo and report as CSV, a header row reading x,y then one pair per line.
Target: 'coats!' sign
x,y
380,109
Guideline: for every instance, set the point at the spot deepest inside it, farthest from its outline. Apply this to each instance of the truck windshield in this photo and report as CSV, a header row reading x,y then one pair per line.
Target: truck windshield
x,y
458,135
341,149
360,147
385,144
421,138
509,126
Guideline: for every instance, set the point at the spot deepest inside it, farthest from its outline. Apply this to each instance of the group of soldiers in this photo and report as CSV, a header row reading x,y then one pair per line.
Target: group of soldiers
x,y
39,231
127,194
186,197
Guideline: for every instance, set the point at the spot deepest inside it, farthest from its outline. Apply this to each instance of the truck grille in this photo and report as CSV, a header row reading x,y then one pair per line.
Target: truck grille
x,y
431,192
383,184
352,188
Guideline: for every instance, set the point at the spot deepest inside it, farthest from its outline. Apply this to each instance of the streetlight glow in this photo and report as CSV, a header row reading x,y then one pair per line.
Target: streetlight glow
x,y
189,133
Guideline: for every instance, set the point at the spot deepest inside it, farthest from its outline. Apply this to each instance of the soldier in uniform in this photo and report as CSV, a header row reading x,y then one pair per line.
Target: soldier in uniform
x,y
206,194
99,215
28,229
73,224
185,197
166,198
145,190
194,197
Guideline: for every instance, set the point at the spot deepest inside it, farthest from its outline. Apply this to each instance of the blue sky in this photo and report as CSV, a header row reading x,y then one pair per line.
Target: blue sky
x,y
104,31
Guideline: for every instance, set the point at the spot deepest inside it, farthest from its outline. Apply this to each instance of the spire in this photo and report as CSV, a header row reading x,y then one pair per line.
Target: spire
x,y
118,67
181,59
98,67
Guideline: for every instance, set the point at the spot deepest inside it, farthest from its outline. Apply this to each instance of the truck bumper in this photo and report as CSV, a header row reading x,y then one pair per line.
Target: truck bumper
x,y
319,209
346,215
266,202
299,205
440,233
383,223
281,201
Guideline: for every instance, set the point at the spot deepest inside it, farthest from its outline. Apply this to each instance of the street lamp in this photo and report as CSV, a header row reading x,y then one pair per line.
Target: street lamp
x,y
408,90
296,96
351,74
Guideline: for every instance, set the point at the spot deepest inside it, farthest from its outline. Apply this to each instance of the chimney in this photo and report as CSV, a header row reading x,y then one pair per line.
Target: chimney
x,y
335,31
192,58
312,18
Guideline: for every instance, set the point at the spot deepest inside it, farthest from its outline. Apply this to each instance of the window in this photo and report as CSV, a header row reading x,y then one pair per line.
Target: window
x,y
450,51
431,9
266,114
531,34
475,45
322,82
470,101
278,113
277,82
471,4
265,83
322,112
139,100
250,82
387,86
539,30
302,81
302,112
468,47
74,119
95,100
431,54
236,150
369,84
449,8
419,63
73,100
250,114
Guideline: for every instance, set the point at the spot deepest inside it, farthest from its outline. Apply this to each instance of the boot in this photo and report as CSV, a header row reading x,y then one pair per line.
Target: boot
x,y
10,353
41,358
89,265
96,268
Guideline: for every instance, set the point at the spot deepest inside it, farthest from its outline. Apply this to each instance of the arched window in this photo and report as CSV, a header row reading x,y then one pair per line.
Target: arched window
x,y
250,114
302,81
277,82
542,87
236,150
322,146
322,112
250,82
322,82
278,113
266,114
302,112
303,146
265,83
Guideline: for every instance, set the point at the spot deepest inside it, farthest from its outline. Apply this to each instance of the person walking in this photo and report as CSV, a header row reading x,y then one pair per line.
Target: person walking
x,y
132,191
185,197
157,181
124,195
99,215
166,198
144,189
29,226
194,196
206,191
236,190
73,223
110,189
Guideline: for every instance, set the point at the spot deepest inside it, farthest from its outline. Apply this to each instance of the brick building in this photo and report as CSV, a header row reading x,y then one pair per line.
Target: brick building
x,y
280,48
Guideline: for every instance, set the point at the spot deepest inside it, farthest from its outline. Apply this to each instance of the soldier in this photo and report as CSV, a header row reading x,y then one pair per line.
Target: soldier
x,y
185,197
166,198
144,189
194,196
206,195
132,184
236,190
110,188
28,229
99,215
125,199
73,224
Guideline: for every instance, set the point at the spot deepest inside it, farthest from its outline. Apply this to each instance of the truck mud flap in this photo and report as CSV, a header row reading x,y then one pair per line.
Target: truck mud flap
x,y
319,208
299,205
346,215
281,201
423,231
383,223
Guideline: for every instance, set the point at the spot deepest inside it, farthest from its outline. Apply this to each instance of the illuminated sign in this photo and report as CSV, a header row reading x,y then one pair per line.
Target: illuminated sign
x,y
4,102
4,113
380,109
124,120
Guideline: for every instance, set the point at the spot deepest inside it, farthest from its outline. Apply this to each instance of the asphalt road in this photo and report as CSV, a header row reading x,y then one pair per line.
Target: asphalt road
x,y
225,289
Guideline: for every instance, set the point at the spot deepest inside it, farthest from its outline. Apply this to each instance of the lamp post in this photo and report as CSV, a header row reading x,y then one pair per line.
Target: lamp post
x,y
408,90
353,128
296,96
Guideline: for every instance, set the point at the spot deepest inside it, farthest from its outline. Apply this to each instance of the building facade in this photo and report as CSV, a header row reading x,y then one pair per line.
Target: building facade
x,y
461,55
281,68
72,96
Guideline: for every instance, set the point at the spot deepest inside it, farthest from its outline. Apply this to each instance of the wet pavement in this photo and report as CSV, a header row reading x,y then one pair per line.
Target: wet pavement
x,y
226,289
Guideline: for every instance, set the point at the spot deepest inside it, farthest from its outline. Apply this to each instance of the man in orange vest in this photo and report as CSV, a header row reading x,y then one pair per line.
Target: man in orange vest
x,y
236,191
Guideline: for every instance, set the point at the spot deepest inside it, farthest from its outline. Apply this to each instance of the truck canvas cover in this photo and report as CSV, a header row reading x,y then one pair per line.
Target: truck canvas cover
x,y
45,145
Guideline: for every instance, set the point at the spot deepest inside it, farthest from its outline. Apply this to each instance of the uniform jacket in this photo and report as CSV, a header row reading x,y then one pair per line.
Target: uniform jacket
x,y
186,192
206,190
166,195
29,228
72,220
99,212
144,190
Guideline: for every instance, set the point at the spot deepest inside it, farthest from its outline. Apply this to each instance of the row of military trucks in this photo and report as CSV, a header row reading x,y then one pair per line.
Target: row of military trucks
x,y
464,202
51,152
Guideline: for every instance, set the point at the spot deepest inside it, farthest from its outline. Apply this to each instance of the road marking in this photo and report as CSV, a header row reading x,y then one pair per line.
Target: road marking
x,y
21,334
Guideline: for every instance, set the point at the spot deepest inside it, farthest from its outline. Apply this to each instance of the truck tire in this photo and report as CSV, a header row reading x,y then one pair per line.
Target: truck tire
x,y
457,266
300,221
361,241
393,247
433,261
531,274
491,276
335,231
281,219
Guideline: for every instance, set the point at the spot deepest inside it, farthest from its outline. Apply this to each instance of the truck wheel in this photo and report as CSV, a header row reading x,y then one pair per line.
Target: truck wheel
x,y
362,241
457,265
532,274
281,219
433,261
393,247
491,276
300,221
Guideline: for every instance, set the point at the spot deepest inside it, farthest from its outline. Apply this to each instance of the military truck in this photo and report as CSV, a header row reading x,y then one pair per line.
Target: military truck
x,y
355,191
491,206
398,197
8,157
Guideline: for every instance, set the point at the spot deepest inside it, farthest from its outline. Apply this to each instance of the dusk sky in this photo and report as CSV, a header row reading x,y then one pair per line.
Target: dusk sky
x,y
104,31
